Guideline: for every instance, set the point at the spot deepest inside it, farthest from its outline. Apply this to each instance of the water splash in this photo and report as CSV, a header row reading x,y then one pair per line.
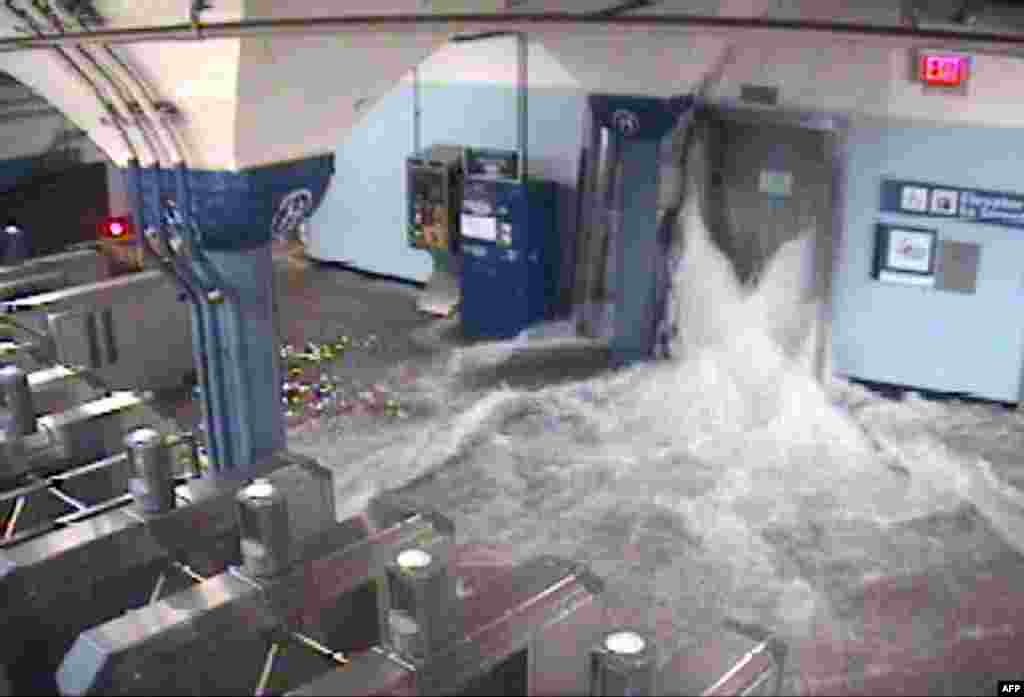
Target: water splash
x,y
726,481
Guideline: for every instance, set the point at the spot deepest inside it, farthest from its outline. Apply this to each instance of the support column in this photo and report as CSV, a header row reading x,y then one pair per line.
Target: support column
x,y
253,419
633,129
231,220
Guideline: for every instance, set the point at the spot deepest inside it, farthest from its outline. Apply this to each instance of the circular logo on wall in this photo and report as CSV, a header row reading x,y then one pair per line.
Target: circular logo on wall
x,y
291,212
626,122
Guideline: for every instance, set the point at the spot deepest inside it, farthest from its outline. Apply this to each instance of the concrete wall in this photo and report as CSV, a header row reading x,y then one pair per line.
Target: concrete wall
x,y
362,220
299,97
921,336
199,78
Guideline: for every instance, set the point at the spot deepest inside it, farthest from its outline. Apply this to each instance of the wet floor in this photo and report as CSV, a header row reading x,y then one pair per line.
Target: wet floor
x,y
890,565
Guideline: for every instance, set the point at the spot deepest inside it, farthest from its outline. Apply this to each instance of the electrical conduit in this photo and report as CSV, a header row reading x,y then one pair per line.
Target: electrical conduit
x,y
170,151
173,143
120,112
31,19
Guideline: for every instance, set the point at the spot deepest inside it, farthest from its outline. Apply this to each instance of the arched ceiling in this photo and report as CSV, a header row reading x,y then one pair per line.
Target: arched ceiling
x,y
257,100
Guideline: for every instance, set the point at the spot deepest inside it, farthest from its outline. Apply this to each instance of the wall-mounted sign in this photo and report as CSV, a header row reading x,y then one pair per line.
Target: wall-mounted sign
x,y
939,201
479,228
490,162
958,266
905,255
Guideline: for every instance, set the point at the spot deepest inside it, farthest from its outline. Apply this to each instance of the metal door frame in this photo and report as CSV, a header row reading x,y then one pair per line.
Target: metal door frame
x,y
835,128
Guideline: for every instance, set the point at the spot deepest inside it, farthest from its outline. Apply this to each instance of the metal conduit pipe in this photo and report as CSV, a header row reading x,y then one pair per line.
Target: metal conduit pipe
x,y
135,188
175,148
208,348
133,161
230,299
204,343
142,94
215,285
526,22
206,338
215,395
203,325
10,116
198,335
27,101
39,20
133,153
120,111
114,89
131,82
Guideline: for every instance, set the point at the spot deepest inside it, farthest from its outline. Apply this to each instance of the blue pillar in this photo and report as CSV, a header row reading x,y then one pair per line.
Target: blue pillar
x,y
249,352
231,219
635,248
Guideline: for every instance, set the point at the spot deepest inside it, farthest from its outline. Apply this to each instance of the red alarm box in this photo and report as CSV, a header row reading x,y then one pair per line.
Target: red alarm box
x,y
943,69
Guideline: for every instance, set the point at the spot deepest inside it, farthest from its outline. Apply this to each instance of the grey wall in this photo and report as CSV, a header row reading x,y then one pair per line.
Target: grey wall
x,y
921,336
362,219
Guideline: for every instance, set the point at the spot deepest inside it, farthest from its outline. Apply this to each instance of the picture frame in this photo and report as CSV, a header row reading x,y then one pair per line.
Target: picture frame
x,y
914,199
905,254
945,202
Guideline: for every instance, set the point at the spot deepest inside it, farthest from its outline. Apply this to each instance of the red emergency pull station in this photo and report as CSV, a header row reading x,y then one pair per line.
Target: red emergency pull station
x,y
117,228
943,69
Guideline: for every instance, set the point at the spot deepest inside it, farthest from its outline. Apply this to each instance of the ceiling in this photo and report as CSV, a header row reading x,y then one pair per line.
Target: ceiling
x,y
232,109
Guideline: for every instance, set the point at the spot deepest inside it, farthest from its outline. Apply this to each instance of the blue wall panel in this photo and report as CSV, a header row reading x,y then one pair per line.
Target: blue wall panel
x,y
924,337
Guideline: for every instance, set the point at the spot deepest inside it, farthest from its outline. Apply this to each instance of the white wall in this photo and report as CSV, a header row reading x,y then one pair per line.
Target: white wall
x,y
924,337
492,62
299,97
812,72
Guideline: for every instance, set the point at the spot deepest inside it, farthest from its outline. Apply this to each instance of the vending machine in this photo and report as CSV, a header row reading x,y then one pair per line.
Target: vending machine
x,y
510,252
434,178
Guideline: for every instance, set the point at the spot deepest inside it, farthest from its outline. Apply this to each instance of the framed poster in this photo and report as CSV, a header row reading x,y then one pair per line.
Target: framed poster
x,y
914,199
905,254
944,202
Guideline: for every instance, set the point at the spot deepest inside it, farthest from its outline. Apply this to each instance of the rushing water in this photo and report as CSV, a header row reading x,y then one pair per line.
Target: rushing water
x,y
725,482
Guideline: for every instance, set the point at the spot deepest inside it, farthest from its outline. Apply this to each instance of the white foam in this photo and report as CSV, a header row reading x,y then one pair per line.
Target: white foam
x,y
731,438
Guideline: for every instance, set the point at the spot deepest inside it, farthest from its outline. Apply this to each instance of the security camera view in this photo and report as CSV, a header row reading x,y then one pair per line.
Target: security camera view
x,y
583,348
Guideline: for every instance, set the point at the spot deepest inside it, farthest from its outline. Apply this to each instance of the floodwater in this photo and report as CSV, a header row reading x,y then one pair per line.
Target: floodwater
x,y
724,483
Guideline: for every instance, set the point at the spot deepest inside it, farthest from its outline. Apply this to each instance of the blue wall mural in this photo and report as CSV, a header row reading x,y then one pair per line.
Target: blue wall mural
x,y
362,219
925,337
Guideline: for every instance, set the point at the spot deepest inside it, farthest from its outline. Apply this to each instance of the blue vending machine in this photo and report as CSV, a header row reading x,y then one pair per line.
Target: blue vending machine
x,y
510,255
